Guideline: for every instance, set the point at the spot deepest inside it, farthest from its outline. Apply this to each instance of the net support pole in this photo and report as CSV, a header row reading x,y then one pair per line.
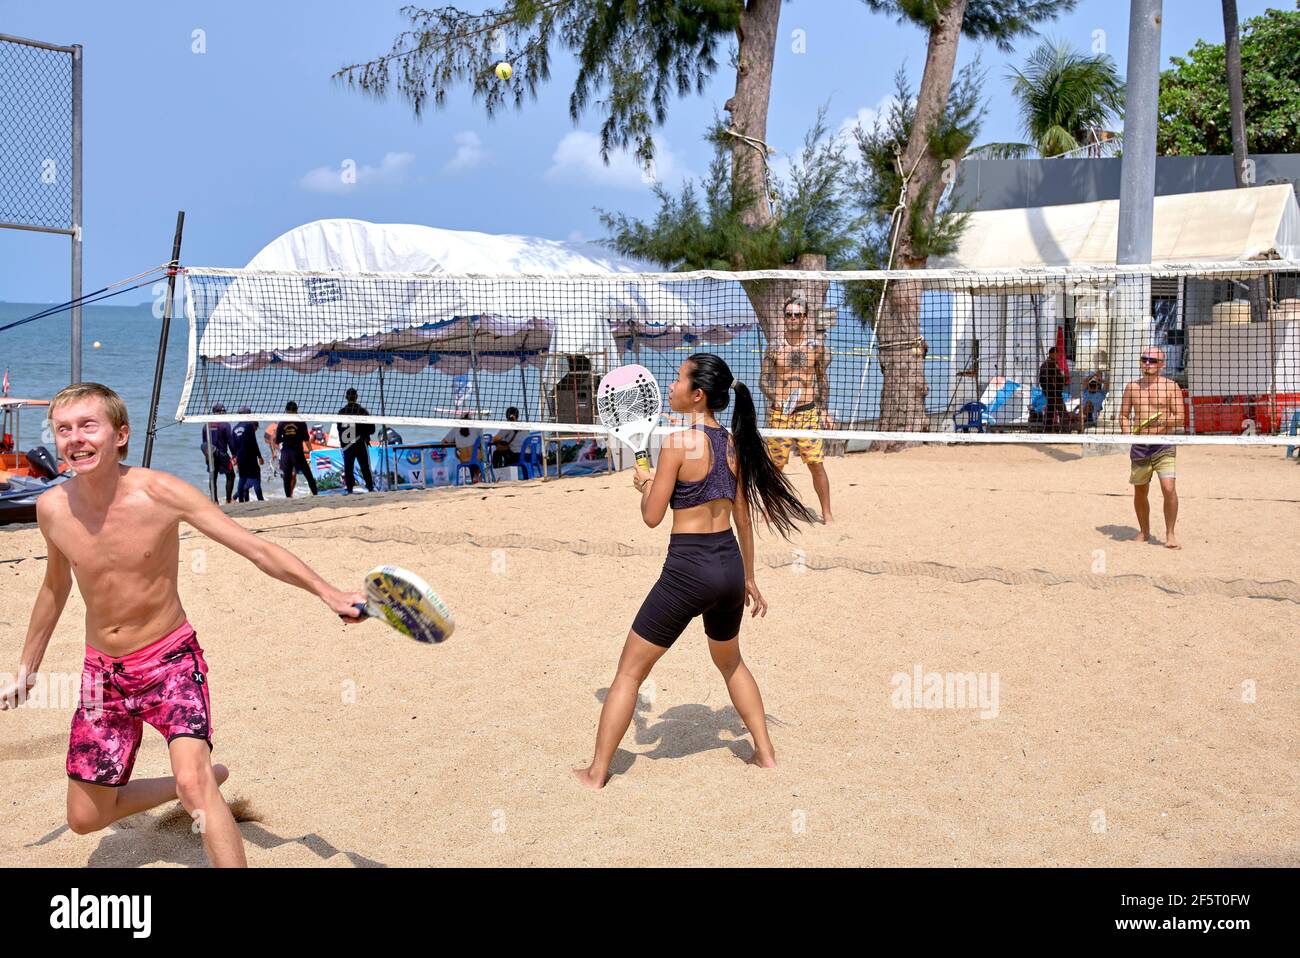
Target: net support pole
x,y
161,361
76,213
207,441
523,380
473,364
1272,356
389,472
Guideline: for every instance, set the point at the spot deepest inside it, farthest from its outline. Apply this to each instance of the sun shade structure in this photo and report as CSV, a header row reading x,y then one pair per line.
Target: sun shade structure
x,y
1261,222
361,296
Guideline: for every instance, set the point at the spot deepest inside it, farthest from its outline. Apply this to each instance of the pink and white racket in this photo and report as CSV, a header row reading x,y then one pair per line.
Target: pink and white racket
x,y
628,404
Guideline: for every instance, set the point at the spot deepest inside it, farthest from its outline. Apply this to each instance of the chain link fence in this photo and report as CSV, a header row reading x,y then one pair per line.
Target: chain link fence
x,y
36,135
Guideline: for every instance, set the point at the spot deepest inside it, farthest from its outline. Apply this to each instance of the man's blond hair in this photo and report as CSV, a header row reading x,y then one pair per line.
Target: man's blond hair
x,y
113,405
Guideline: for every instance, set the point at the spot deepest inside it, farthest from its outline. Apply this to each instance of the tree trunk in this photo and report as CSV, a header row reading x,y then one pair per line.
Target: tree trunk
x,y
898,328
1232,54
748,108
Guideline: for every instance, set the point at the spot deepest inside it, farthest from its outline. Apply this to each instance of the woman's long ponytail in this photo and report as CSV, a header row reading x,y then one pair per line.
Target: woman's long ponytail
x,y
766,488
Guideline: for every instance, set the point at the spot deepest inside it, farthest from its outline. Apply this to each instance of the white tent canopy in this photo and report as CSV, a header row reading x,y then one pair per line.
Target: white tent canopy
x,y
355,246
1261,222
274,316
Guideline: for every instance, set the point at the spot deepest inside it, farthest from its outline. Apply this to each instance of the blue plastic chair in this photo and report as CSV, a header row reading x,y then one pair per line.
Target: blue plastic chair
x,y
970,417
1294,431
530,457
465,475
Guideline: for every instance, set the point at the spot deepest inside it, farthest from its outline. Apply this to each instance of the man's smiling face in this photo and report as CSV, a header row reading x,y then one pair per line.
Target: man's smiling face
x,y
85,435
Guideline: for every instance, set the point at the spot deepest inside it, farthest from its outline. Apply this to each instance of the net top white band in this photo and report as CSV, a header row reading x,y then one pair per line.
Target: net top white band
x,y
1000,275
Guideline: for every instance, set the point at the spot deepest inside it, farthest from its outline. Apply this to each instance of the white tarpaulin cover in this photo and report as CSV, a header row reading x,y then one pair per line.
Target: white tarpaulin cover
x,y
1261,222
308,322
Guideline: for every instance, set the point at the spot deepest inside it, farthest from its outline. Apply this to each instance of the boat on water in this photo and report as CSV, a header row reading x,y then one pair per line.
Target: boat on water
x,y
24,476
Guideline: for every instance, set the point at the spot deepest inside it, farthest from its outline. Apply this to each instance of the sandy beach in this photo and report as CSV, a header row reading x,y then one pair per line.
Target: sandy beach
x,y
1141,705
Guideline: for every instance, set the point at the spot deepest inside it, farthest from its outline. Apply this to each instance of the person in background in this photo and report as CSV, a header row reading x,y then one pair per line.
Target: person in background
x,y
355,440
1094,394
465,440
1052,381
291,439
507,443
268,435
217,437
248,456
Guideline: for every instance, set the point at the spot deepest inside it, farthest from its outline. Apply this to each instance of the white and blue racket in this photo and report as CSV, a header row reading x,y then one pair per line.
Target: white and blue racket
x,y
404,601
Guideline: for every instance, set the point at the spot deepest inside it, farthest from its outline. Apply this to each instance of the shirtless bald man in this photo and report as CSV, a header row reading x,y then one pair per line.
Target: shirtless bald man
x,y
116,528
1153,404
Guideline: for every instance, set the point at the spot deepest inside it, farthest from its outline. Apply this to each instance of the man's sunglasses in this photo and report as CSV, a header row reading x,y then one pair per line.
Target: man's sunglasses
x,y
1150,361
793,314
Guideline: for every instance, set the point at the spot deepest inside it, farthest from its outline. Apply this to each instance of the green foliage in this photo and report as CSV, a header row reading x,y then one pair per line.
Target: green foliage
x,y
831,202
814,213
880,180
1000,21
1063,95
1194,117
636,54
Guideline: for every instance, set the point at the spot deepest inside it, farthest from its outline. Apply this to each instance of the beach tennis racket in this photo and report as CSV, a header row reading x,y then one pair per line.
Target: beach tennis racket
x,y
628,404
404,601
1148,421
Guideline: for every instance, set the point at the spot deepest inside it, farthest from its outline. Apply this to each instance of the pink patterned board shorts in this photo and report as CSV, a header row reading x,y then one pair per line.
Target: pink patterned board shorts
x,y
164,684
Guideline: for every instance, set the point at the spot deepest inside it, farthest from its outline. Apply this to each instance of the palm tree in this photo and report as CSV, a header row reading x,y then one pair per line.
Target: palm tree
x,y
1067,100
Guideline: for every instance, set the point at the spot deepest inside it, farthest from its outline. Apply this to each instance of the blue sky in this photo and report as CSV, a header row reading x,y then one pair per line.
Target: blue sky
x,y
247,136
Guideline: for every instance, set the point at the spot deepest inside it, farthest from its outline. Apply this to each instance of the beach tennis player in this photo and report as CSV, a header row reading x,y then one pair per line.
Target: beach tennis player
x,y
115,528
710,479
1153,404
796,383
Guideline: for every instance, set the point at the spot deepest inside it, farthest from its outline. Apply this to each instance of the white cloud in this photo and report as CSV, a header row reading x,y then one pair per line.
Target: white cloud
x,y
348,176
866,118
469,152
577,159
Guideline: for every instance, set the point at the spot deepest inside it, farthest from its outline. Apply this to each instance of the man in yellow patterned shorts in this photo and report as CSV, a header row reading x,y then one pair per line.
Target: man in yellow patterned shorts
x,y
795,383
1153,404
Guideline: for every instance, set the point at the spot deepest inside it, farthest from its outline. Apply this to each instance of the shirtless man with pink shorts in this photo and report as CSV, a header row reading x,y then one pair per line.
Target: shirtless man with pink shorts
x,y
116,528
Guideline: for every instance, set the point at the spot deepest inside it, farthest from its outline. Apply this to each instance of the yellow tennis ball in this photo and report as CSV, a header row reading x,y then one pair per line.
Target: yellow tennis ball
x,y
504,70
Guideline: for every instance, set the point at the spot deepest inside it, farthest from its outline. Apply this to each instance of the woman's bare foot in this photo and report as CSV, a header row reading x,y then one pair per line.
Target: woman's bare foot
x,y
1170,543
587,780
762,761
1143,537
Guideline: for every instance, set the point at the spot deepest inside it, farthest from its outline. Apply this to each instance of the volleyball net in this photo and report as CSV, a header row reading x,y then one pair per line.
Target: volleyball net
x,y
1079,355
